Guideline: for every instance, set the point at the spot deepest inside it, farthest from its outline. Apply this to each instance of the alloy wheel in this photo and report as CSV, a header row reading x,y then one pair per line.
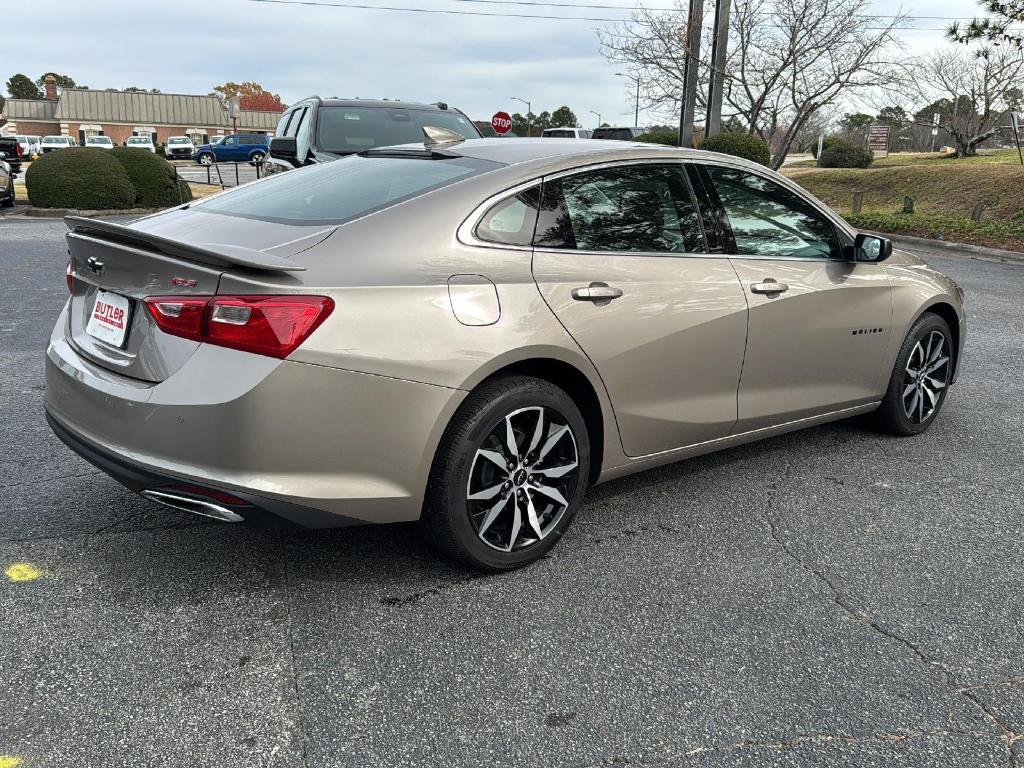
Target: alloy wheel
x,y
522,478
926,374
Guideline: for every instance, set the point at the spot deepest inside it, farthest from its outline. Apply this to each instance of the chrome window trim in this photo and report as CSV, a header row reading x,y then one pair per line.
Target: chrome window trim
x,y
800,192
465,233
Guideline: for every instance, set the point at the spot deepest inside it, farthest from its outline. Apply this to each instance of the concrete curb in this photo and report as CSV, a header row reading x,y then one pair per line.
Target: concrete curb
x,y
943,245
60,213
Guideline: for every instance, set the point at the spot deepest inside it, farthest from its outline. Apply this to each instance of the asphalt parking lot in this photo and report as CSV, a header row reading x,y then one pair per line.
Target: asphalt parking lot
x,y
830,597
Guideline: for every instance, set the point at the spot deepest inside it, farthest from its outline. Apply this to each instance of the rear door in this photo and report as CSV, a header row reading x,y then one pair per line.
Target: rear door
x,y
620,257
819,322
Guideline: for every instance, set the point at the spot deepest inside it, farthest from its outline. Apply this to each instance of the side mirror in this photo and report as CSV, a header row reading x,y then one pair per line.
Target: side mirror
x,y
3,155
284,148
871,248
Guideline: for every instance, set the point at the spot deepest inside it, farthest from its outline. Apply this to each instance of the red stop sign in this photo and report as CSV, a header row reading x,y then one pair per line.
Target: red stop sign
x,y
501,122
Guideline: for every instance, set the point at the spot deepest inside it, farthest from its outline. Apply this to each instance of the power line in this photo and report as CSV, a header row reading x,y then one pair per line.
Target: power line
x,y
515,15
605,7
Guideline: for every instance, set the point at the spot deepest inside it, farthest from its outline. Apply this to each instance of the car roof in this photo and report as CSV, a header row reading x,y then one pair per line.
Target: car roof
x,y
526,150
387,103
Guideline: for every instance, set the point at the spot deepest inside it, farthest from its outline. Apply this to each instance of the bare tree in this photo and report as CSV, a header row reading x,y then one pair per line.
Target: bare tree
x,y
978,85
788,59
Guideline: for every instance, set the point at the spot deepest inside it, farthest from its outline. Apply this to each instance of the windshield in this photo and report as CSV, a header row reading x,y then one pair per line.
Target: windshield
x,y
560,133
56,140
139,140
97,140
333,193
352,129
178,140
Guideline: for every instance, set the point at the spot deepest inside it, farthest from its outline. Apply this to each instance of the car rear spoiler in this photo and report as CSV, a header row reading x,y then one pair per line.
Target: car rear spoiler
x,y
213,254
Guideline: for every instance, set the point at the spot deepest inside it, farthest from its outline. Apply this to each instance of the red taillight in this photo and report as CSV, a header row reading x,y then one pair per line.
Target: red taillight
x,y
179,315
70,278
264,325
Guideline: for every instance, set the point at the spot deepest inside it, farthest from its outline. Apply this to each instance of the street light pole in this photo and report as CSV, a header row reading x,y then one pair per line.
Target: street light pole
x,y
598,117
529,114
636,111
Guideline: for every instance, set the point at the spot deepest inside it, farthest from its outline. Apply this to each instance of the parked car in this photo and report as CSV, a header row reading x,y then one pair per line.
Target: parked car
x,y
99,142
237,147
566,133
317,130
471,335
141,142
179,147
53,143
618,134
7,176
29,146
11,148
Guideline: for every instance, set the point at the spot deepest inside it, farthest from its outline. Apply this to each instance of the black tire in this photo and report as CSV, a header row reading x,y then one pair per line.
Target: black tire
x,y
205,159
892,416
450,520
256,157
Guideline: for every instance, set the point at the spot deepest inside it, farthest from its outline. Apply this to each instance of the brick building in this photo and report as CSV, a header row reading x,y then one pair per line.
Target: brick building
x,y
80,113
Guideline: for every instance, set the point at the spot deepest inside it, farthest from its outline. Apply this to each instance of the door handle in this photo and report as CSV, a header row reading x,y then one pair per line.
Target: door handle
x,y
596,292
769,286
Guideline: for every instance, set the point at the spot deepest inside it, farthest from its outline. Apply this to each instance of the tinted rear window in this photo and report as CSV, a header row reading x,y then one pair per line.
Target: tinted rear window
x,y
333,193
353,129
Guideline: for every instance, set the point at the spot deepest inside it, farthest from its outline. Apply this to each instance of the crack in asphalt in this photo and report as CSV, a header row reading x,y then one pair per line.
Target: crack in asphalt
x,y
885,737
291,649
393,601
107,530
415,597
43,481
1009,736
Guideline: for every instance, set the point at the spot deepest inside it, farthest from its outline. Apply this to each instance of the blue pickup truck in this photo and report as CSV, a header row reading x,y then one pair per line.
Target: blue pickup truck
x,y
235,148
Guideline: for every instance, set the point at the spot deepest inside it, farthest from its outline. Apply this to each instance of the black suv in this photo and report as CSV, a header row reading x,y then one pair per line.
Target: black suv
x,y
317,130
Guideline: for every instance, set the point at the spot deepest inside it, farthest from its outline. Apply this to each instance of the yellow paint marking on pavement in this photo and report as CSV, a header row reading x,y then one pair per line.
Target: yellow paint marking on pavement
x,y
20,572
6,761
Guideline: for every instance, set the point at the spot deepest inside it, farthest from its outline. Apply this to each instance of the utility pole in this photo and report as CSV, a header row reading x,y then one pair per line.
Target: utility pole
x,y
688,103
529,114
719,46
598,117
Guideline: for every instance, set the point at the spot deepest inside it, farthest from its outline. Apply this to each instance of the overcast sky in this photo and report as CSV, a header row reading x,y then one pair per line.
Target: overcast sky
x,y
474,62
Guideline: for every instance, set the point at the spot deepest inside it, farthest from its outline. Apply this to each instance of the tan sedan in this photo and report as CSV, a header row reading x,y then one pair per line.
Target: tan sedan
x,y
473,333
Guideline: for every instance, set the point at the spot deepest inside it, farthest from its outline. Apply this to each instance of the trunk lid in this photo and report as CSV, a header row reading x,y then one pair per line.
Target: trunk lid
x,y
116,267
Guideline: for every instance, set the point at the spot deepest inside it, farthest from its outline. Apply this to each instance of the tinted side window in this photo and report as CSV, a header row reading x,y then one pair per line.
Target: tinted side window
x,y
768,220
511,221
248,140
632,208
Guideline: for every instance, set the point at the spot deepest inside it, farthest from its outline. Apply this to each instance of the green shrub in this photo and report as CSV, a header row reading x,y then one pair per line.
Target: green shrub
x,y
740,145
661,136
79,177
825,144
156,185
844,154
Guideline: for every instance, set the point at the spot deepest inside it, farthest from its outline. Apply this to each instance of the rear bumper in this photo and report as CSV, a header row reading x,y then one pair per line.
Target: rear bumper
x,y
312,445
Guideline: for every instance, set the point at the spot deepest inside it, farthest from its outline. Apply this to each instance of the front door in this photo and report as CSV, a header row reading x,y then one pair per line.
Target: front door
x,y
621,259
227,150
819,322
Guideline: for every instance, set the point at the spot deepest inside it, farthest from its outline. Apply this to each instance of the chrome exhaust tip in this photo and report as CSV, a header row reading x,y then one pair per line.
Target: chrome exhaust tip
x,y
195,506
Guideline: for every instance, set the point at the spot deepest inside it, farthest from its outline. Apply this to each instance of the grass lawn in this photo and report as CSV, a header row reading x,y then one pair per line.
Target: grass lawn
x,y
945,191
